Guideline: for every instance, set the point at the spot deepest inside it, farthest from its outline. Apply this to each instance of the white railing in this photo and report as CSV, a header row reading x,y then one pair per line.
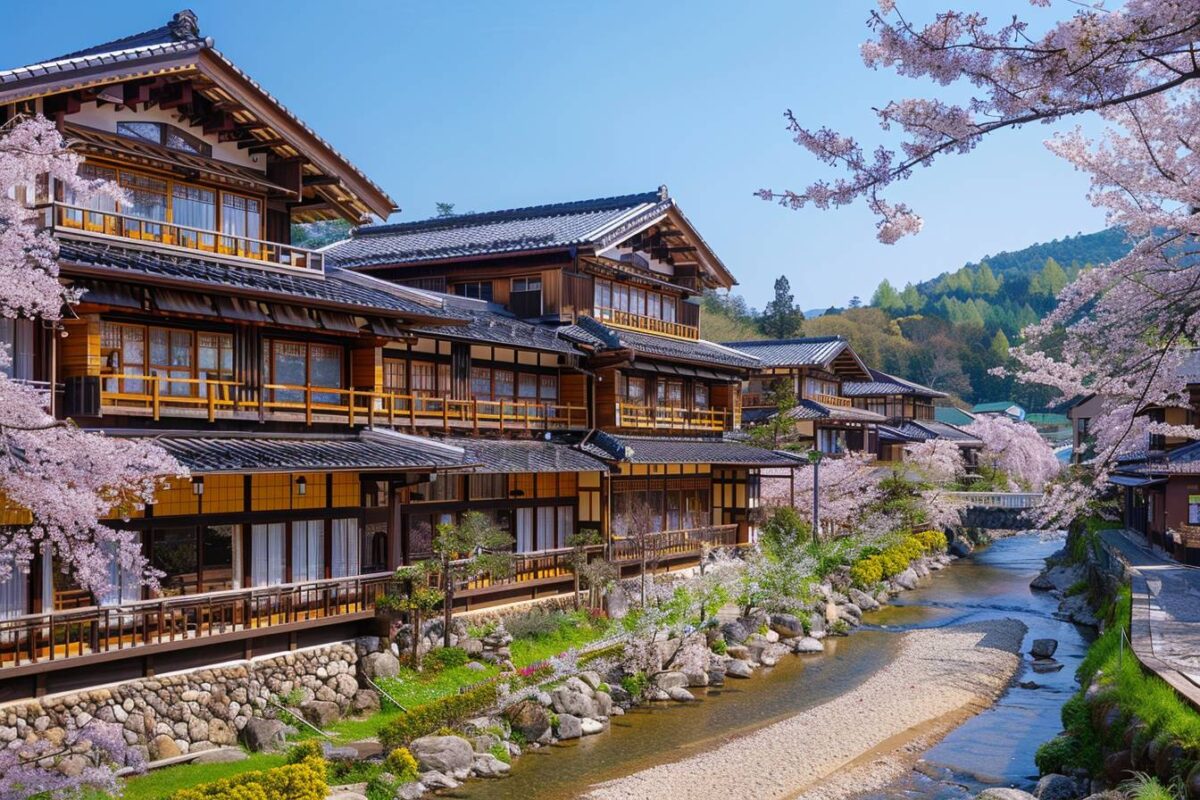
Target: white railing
x,y
1013,500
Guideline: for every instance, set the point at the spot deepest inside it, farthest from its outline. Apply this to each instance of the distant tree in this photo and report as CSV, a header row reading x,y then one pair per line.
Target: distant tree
x,y
465,552
780,428
886,297
445,209
782,318
999,347
855,302
985,281
313,235
1054,278
912,299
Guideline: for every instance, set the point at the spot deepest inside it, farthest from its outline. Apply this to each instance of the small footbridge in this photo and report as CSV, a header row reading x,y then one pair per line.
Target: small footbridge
x,y
996,510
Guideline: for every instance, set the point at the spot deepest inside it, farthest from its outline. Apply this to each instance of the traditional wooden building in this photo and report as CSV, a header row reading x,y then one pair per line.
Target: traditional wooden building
x,y
815,369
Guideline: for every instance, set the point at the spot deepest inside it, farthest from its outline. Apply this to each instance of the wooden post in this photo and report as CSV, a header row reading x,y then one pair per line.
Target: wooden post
x,y
475,415
212,401
446,413
308,411
154,395
350,407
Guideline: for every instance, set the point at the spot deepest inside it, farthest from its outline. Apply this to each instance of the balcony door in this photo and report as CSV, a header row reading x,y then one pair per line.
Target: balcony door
x,y
526,538
308,550
267,554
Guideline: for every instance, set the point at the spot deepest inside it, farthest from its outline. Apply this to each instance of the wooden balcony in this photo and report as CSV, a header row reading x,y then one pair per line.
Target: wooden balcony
x,y
708,420
182,239
158,395
832,400
639,322
671,544
37,642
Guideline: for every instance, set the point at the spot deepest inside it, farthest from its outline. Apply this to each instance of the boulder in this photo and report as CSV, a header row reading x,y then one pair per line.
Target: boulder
x,y
738,651
1004,794
567,701
604,703
808,645
1043,648
1118,767
907,579
1058,787
734,632
380,665
221,732
863,600
528,718
569,726
410,791
488,766
591,678
960,548
771,654
670,680
787,625
591,727
364,701
263,734
438,780
680,694
1046,665
224,755
443,753
320,712
163,746
737,668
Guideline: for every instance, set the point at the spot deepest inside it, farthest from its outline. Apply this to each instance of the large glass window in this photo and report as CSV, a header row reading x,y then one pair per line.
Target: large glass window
x,y
219,561
481,383
124,585
241,220
14,590
166,135
146,198
98,202
195,207
325,370
503,384
527,386
488,487
174,554
347,549
481,290
424,378
548,390
299,363
124,350
18,336
267,554
565,526
308,550
171,360
214,356
395,376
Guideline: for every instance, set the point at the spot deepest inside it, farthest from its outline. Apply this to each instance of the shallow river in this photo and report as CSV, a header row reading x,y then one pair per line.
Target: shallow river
x,y
997,746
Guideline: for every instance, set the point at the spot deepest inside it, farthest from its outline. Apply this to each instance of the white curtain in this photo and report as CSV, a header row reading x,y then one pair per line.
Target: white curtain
x,y
566,525
308,550
14,590
545,526
524,530
347,560
266,554
123,584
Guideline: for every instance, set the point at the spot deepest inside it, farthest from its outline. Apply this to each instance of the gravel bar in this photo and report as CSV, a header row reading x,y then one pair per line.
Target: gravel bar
x,y
939,678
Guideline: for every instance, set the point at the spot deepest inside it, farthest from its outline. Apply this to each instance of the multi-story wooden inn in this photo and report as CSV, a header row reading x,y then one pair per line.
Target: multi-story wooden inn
x,y
542,365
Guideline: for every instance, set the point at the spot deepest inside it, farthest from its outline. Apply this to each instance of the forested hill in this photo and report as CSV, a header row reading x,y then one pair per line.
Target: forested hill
x,y
1086,248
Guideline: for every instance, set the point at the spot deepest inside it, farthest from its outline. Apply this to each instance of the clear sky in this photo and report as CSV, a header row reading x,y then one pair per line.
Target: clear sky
x,y
499,104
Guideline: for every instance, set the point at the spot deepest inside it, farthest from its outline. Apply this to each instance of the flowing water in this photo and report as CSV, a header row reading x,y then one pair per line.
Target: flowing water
x,y
996,746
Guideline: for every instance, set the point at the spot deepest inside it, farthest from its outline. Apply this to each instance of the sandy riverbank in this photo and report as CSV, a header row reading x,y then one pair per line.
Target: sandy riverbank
x,y
861,739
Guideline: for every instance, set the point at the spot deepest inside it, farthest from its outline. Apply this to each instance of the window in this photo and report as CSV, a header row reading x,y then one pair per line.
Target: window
x,y
526,284
526,541
481,383
566,525
602,299
241,217
670,393
1194,509
173,553
124,585
635,389
218,566
299,363
96,202
166,135
194,207
171,360
214,357
308,550
609,297
654,305
526,297
267,554
488,487
395,376
700,395
14,590
814,386
18,336
503,384
480,290
527,386
424,378
347,549
621,297
637,301
548,388
124,351
443,490
1082,425
325,370
147,199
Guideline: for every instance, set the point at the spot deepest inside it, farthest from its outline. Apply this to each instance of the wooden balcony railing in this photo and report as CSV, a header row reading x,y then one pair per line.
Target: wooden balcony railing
x,y
95,631
671,418
829,399
157,395
112,224
673,543
540,566
640,322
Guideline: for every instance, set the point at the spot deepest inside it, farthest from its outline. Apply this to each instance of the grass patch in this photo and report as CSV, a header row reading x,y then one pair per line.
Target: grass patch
x,y
161,783
567,631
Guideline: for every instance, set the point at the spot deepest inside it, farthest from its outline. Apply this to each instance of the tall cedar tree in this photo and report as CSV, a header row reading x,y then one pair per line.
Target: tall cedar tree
x,y
782,318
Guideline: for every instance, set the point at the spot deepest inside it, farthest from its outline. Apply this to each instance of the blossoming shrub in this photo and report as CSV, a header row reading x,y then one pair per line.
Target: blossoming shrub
x,y
401,763
304,780
872,568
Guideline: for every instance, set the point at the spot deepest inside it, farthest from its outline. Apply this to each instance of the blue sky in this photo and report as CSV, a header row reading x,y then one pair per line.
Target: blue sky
x,y
501,104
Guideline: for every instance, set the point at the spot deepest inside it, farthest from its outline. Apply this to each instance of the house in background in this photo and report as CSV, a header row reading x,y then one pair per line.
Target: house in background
x,y
952,415
816,369
1080,414
1006,408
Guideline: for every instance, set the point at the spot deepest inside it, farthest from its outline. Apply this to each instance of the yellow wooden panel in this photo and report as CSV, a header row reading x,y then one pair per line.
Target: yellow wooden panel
x,y
271,492
345,489
314,494
640,469
689,469
224,494
547,484
522,482
589,480
568,483
12,514
79,352
176,498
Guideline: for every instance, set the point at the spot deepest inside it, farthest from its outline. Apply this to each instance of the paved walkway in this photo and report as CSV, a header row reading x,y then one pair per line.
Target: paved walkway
x,y
1165,630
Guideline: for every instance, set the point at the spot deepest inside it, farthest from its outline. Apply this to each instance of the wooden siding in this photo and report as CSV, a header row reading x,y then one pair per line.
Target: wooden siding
x,y
79,351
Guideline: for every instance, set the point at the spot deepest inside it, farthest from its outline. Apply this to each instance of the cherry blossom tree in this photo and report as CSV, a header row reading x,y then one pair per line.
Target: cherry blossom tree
x,y
849,485
939,461
65,479
1119,331
1015,451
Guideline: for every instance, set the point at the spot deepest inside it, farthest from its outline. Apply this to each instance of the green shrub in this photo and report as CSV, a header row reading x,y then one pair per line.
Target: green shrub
x,y
382,788
604,687
535,624
500,751
839,627
309,748
635,684
867,572
400,762
720,647
304,780
446,658
425,720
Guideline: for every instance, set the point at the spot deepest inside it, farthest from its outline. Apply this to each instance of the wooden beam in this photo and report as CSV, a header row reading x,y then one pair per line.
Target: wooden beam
x,y
182,98
320,180
260,145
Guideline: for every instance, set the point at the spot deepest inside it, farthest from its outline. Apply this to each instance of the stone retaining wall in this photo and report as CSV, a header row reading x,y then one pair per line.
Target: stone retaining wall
x,y
190,711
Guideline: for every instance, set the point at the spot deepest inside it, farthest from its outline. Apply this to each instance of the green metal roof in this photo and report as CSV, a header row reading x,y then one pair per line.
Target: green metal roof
x,y
952,416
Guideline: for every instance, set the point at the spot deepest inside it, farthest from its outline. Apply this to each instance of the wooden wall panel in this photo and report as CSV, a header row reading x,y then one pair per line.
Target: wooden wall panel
x,y
606,398
79,352
552,291
572,389
366,368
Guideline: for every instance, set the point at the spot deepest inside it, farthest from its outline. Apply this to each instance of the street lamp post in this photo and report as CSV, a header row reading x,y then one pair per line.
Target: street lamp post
x,y
814,458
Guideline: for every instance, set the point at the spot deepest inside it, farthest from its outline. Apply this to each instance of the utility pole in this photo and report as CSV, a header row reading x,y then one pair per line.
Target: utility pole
x,y
814,458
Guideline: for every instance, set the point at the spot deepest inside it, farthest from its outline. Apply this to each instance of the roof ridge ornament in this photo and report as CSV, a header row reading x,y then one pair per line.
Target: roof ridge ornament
x,y
184,25
663,194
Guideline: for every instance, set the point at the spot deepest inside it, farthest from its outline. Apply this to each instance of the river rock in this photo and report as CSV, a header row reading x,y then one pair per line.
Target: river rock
x,y
443,753
364,701
567,701
1118,767
771,654
680,694
263,734
738,651
1058,787
808,645
410,791
224,755
488,766
787,625
380,665
1004,794
961,548
670,680
438,780
569,726
320,712
163,746
1043,648
907,579
737,668
1043,666
529,718
591,727
734,632
863,600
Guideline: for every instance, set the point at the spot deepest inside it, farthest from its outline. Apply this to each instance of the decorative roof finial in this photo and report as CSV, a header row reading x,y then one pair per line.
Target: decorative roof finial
x,y
185,25
663,194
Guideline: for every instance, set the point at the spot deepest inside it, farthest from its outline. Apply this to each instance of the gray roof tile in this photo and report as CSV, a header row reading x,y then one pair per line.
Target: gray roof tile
x,y
882,383
507,455
802,352
588,330
680,450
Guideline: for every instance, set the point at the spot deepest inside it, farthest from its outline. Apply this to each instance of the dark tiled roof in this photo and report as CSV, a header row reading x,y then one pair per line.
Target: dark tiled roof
x,y
812,410
490,323
547,227
1183,460
506,455
882,383
667,347
645,450
810,351
370,450
337,287
920,431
